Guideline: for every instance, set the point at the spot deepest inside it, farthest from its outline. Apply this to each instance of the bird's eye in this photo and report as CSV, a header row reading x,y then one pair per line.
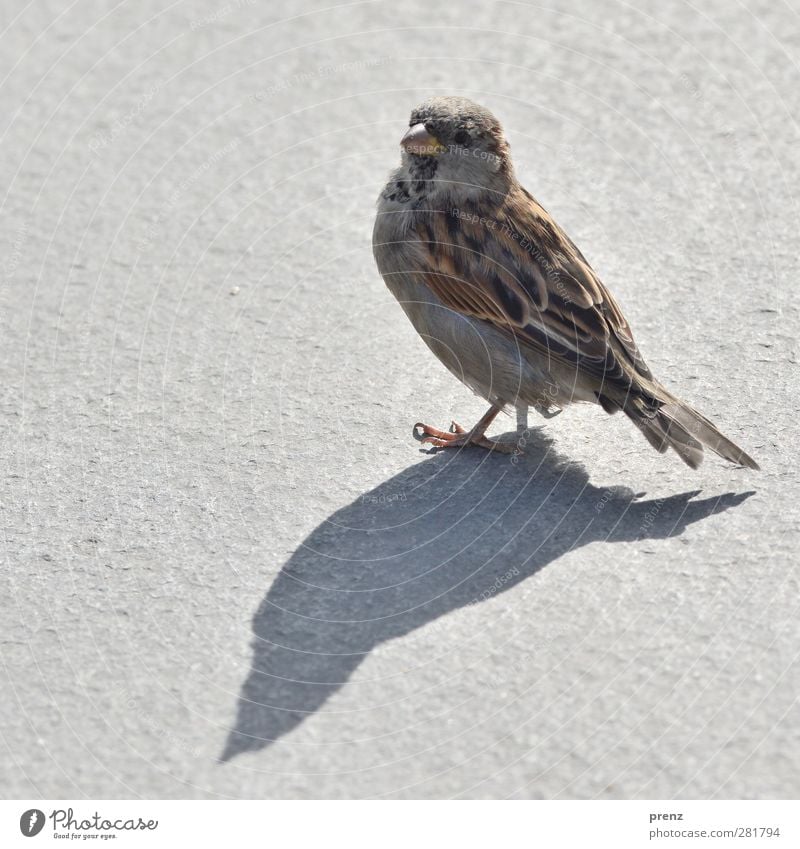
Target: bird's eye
x,y
462,137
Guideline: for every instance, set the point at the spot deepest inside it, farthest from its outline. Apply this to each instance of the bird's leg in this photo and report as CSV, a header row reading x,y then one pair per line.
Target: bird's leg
x,y
457,437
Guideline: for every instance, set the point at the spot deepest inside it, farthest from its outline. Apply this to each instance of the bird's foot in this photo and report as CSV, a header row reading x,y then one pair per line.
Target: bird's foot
x,y
458,437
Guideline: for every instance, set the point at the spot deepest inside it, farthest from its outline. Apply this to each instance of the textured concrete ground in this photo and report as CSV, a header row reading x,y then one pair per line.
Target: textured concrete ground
x,y
228,569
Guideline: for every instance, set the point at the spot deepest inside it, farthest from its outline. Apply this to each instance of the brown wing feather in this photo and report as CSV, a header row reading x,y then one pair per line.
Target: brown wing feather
x,y
521,272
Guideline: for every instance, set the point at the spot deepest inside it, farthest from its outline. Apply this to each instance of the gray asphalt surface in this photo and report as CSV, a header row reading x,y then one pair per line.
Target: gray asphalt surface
x,y
228,569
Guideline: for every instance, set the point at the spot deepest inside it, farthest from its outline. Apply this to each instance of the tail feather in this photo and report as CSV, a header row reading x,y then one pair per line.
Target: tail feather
x,y
663,432
676,425
707,432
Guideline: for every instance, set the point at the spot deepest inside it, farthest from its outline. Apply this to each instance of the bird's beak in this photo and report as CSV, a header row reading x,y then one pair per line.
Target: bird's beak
x,y
420,142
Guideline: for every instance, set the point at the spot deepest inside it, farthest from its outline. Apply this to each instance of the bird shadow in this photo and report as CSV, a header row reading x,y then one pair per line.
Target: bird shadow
x,y
454,530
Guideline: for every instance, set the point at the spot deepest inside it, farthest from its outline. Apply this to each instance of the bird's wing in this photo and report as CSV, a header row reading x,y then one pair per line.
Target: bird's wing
x,y
517,269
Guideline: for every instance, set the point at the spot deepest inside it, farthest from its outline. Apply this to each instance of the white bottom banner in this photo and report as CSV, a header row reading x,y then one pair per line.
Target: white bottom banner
x,y
400,825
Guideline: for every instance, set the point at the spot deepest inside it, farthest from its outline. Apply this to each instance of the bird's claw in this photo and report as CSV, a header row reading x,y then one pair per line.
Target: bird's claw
x,y
457,437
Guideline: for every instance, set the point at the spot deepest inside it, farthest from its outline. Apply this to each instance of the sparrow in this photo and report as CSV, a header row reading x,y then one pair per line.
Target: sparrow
x,y
504,298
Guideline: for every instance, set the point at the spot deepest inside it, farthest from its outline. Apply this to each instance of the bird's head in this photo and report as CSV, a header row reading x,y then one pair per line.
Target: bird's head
x,y
456,146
